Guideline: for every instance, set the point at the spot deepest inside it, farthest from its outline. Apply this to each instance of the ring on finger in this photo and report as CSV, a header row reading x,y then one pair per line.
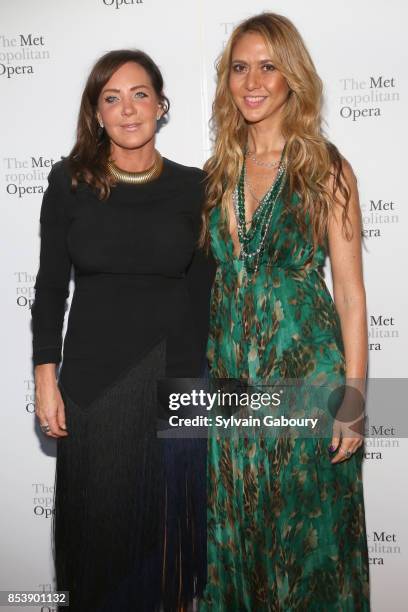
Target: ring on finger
x,y
45,427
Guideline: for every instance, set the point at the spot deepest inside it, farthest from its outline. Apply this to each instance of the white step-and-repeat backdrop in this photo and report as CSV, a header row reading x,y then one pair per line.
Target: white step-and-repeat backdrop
x,y
46,51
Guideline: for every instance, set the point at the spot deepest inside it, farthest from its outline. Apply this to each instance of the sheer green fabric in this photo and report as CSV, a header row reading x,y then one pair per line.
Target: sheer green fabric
x,y
286,527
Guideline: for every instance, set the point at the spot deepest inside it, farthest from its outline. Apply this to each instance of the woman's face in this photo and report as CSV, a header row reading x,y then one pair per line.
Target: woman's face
x,y
128,107
259,90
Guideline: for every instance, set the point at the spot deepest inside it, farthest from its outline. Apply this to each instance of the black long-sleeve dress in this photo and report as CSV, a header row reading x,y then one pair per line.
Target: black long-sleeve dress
x,y
129,516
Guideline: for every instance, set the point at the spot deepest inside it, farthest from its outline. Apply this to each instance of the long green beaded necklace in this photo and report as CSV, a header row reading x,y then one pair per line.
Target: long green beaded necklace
x,y
261,219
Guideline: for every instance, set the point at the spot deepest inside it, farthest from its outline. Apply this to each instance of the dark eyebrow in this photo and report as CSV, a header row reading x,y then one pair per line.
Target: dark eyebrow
x,y
131,89
263,61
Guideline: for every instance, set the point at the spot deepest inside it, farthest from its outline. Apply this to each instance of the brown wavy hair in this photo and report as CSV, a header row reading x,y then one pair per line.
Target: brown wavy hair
x,y
91,150
315,166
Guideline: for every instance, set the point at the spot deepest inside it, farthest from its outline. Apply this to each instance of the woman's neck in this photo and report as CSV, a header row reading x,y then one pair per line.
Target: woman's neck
x,y
264,140
133,160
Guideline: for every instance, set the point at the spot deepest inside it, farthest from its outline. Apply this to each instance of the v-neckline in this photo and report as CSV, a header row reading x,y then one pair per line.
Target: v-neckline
x,y
232,248
230,238
261,201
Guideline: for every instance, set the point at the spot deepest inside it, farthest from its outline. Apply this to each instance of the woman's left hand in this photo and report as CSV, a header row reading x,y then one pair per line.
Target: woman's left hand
x,y
348,426
345,441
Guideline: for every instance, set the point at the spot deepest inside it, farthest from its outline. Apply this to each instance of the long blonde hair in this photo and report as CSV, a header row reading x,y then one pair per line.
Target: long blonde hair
x,y
311,159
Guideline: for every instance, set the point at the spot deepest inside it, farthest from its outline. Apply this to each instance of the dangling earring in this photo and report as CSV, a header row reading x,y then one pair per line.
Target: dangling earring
x,y
100,129
158,117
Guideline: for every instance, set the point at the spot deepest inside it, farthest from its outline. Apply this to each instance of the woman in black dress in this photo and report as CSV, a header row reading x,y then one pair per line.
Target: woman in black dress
x,y
129,523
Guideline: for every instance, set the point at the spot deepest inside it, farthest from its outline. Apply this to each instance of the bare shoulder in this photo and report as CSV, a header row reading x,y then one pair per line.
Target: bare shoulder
x,y
344,227
345,209
348,173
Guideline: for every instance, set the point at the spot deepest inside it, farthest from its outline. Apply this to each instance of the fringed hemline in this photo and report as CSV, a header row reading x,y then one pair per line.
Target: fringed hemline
x,y
129,512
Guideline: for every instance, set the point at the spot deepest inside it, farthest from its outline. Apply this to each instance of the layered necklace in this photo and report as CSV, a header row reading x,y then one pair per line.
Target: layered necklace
x,y
250,155
137,178
252,250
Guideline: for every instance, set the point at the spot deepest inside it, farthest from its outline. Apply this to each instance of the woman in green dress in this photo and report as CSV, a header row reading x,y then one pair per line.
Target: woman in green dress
x,y
286,512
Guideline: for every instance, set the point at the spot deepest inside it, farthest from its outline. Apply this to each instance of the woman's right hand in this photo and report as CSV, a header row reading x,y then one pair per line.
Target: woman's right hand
x,y
49,406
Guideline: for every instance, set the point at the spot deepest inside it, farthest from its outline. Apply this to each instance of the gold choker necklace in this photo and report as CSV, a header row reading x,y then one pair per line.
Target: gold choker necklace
x,y
137,178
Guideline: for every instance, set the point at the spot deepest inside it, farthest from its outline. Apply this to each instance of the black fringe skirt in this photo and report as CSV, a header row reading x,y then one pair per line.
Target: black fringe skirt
x,y
129,526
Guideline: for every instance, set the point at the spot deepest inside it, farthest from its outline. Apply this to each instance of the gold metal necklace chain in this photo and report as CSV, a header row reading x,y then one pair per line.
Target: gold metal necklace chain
x,y
137,178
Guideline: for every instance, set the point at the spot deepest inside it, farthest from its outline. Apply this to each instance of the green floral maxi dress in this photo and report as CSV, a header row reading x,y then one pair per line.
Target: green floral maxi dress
x,y
286,528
